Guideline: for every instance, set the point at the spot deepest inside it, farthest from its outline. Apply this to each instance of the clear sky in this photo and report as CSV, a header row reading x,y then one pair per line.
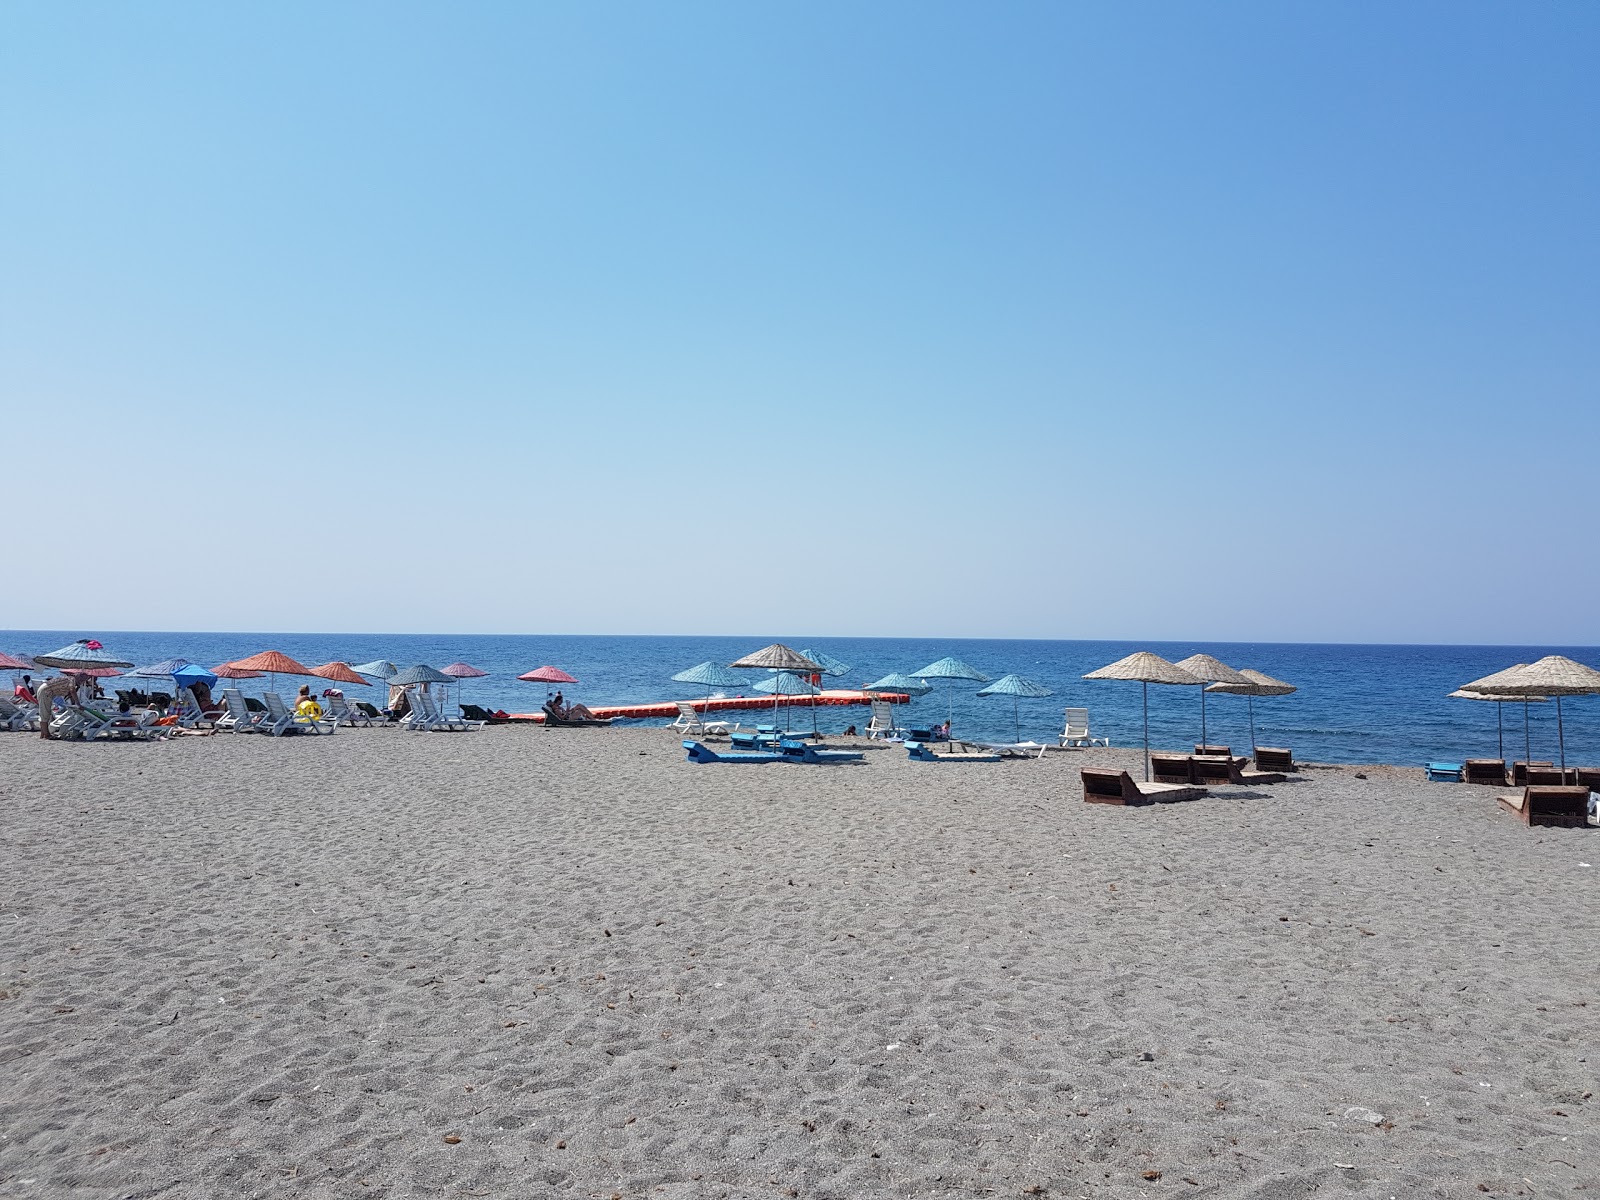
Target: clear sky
x,y
1231,321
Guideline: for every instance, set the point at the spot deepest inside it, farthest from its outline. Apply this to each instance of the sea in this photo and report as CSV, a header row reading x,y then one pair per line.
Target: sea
x,y
1354,703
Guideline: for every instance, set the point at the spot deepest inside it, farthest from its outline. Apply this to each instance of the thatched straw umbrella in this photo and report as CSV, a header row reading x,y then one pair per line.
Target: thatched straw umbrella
x,y
1499,701
778,657
1146,668
1552,675
1212,670
1256,683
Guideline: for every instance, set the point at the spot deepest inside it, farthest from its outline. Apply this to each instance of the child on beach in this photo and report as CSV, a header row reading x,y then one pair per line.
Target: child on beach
x,y
307,705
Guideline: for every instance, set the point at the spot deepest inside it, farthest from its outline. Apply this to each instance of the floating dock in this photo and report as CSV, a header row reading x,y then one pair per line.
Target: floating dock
x,y
835,697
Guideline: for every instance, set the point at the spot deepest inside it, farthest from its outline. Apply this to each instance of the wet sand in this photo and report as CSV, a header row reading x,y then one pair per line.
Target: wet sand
x,y
524,962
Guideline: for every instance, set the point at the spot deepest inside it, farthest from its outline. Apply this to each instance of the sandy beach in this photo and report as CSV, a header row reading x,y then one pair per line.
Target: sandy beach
x,y
523,962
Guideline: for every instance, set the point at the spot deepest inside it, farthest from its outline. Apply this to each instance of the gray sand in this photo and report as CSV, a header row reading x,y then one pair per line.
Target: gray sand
x,y
567,963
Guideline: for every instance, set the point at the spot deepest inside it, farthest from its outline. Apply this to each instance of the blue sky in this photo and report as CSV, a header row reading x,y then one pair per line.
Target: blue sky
x,y
1226,321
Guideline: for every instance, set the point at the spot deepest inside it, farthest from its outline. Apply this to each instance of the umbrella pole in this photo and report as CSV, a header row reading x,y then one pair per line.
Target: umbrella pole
x,y
1016,717
1252,700
1500,720
1204,741
1561,734
1146,732
1527,738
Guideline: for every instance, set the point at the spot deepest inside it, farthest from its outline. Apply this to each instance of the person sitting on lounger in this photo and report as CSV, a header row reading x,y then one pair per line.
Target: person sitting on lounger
x,y
569,712
307,705
941,733
24,690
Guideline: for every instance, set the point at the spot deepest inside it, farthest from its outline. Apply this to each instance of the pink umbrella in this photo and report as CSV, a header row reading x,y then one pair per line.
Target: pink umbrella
x,y
548,675
10,662
462,671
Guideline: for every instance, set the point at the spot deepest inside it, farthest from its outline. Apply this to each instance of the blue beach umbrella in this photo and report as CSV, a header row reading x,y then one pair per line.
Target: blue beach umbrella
x,y
829,664
711,675
787,683
84,654
951,669
1016,687
378,668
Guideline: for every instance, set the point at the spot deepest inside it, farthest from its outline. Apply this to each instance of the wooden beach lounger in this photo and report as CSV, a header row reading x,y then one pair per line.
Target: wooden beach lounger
x,y
1118,787
1271,758
1486,771
1534,805
1214,770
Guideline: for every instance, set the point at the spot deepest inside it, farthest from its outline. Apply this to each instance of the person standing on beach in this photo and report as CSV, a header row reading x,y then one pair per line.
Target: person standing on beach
x,y
63,686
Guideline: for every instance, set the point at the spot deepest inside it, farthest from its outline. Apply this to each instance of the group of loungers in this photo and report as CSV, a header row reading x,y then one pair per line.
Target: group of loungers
x,y
1550,795
1187,776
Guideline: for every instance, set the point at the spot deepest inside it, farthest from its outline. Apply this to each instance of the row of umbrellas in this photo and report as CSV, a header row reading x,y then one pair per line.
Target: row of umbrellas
x,y
89,657
1552,677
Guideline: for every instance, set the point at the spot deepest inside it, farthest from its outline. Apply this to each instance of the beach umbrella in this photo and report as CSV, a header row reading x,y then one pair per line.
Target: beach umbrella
x,y
340,672
787,683
1146,668
1552,675
778,657
1016,687
421,673
950,669
546,675
1499,702
460,671
894,681
1209,670
711,675
829,664
84,655
273,663
229,671
12,662
378,668
160,670
1256,684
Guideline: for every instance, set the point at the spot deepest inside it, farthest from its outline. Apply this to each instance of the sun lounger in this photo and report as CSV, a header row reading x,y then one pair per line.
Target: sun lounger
x,y
1213,751
922,752
1033,750
1118,787
881,723
1561,806
1550,776
1443,772
476,712
554,720
1076,733
1589,777
1171,768
691,721
236,716
786,751
1269,758
1209,770
1486,771
281,719
14,716
1519,770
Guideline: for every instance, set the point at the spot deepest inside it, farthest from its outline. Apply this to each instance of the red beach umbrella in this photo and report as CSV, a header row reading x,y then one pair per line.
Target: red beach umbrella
x,y
9,662
229,671
339,672
274,663
547,675
462,671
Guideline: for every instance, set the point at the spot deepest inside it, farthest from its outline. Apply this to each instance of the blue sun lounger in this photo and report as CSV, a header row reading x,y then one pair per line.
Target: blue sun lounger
x,y
785,752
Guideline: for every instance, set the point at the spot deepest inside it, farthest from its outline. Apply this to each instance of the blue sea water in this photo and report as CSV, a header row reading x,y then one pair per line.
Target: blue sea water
x,y
1359,704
